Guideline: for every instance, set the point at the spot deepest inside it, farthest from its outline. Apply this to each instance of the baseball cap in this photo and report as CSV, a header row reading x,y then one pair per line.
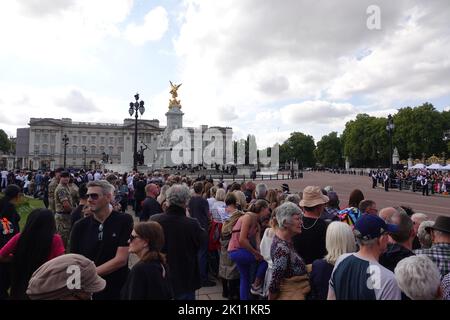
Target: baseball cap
x,y
369,227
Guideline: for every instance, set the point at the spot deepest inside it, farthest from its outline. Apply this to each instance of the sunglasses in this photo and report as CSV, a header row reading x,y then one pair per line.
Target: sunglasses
x,y
93,196
132,237
100,232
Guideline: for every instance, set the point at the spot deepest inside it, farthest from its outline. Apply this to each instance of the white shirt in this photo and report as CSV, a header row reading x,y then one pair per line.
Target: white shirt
x,y
97,176
4,174
218,212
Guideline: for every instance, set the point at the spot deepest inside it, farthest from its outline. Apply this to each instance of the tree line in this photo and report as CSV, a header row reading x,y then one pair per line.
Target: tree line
x,y
365,140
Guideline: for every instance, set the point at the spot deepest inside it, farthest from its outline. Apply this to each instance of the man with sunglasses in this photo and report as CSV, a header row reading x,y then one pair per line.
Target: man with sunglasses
x,y
103,238
359,276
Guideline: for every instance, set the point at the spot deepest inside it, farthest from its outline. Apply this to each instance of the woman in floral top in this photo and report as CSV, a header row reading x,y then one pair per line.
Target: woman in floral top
x,y
286,262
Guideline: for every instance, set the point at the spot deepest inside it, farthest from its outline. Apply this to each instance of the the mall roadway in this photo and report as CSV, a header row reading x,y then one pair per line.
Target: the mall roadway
x,y
343,184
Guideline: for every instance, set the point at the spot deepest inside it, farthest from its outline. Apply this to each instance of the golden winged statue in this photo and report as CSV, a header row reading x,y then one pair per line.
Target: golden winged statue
x,y
174,89
174,102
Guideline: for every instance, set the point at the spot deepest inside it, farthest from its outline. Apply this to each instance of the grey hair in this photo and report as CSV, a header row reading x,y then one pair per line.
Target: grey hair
x,y
107,188
367,243
423,235
261,190
285,212
419,216
418,277
178,195
294,198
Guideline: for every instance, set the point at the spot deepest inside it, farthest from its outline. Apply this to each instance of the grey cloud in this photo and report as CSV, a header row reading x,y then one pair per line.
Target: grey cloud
x,y
274,85
299,30
227,113
77,102
315,111
40,8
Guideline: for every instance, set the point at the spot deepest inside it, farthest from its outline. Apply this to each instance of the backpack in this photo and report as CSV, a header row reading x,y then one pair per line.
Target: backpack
x,y
214,236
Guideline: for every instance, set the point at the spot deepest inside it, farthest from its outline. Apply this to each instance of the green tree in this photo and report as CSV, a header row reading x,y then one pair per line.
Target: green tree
x,y
419,130
5,143
365,141
329,150
299,147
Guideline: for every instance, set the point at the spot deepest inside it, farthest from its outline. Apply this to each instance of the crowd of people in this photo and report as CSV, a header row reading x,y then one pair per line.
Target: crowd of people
x,y
258,243
427,181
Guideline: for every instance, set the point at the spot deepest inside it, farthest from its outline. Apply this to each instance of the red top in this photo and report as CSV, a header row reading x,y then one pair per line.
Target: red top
x,y
56,249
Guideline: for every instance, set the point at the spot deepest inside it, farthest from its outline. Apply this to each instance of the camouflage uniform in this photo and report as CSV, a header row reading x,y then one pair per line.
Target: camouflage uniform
x,y
74,194
51,194
63,219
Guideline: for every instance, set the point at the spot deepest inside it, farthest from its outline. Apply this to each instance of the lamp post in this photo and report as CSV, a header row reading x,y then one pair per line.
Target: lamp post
x,y
134,108
390,128
84,151
65,139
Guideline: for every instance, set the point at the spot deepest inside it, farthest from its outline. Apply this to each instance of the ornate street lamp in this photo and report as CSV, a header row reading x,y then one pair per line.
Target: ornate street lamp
x,y
65,139
134,108
390,128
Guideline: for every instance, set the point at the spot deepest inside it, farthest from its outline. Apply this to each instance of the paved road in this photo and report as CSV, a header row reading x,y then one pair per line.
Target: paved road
x,y
344,184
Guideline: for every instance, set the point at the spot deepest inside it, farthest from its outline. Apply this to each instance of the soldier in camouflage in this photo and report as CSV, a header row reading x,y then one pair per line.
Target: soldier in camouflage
x,y
64,205
51,189
74,192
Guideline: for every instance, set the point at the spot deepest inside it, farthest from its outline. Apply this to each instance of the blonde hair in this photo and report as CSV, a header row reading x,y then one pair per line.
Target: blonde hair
x,y
220,195
339,240
240,197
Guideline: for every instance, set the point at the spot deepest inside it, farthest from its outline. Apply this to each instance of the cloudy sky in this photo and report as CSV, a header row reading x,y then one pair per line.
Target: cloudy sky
x,y
262,67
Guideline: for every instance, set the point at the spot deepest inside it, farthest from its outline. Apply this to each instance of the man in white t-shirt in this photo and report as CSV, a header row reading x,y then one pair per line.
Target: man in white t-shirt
x,y
97,176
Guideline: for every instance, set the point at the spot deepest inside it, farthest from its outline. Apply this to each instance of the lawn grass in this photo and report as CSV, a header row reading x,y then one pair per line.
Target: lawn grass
x,y
25,206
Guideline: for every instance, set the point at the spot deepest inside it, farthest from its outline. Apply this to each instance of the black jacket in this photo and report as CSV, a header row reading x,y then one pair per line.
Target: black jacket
x,y
147,281
183,236
393,255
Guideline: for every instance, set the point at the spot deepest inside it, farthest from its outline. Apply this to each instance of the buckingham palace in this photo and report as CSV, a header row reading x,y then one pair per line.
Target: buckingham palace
x,y
91,145
41,146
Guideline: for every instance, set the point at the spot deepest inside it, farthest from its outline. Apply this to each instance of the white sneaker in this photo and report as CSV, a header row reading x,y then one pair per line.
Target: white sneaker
x,y
257,291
